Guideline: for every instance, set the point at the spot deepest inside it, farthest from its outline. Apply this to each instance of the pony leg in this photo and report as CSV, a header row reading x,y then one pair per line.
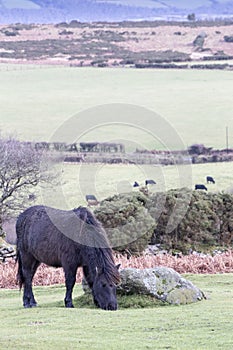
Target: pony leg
x,y
70,278
88,277
29,270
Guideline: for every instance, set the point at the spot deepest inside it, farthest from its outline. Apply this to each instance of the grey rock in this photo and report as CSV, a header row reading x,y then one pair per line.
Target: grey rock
x,y
163,283
154,250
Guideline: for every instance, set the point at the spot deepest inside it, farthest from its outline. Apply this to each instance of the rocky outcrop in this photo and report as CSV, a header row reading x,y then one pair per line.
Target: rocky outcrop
x,y
163,283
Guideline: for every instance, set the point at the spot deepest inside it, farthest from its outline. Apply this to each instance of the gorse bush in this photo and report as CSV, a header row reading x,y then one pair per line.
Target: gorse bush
x,y
196,229
128,223
133,220
225,211
207,222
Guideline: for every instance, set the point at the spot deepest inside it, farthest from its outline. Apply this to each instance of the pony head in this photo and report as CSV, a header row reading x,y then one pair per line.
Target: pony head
x,y
104,289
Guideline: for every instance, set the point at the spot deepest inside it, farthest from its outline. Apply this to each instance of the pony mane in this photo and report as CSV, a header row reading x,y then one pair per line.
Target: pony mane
x,y
97,246
109,269
91,232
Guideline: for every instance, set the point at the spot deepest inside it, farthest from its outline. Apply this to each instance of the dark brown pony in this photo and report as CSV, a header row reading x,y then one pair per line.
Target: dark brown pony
x,y
67,239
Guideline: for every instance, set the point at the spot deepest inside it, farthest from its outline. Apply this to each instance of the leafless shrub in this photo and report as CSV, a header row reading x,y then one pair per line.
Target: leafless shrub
x,y
22,167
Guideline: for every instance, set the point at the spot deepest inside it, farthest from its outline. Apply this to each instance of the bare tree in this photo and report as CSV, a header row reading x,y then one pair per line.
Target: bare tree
x,y
22,167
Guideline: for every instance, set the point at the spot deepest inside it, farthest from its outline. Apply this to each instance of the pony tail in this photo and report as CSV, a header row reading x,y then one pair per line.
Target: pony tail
x,y
20,277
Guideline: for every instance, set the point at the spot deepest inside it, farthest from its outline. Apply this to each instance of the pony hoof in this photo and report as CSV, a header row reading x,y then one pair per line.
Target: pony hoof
x,y
70,305
33,305
30,305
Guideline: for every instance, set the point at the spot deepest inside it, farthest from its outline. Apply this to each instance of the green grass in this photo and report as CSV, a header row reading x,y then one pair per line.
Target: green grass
x,y
197,104
106,180
134,301
201,326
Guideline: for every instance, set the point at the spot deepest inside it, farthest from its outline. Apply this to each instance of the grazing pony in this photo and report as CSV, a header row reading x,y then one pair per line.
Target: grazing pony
x,y
210,179
200,187
67,239
150,182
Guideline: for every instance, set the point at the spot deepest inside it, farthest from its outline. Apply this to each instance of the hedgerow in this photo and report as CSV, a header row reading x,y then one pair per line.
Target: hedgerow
x,y
134,220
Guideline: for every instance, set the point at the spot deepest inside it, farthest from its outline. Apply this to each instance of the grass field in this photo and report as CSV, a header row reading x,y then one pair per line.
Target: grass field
x,y
106,180
196,104
201,326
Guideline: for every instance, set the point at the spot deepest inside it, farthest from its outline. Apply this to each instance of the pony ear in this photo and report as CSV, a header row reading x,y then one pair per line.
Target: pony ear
x,y
118,266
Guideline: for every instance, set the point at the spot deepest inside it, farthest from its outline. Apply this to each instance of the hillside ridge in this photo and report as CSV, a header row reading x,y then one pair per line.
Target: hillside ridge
x,y
49,11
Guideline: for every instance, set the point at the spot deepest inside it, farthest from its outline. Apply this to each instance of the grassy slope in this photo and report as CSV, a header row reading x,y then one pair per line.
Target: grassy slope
x,y
204,325
197,104
105,180
158,4
140,3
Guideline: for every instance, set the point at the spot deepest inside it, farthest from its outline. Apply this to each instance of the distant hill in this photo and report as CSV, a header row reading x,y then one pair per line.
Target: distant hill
x,y
54,11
